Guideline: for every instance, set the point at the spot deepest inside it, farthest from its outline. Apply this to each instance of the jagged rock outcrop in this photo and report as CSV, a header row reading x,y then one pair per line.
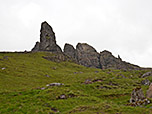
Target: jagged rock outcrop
x,y
69,50
47,40
86,55
36,47
108,61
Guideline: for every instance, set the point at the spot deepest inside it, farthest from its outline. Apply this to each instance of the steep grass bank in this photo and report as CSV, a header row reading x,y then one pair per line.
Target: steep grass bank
x,y
85,90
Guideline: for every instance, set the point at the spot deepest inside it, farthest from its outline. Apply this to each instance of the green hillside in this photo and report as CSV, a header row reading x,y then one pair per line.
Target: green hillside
x,y
23,90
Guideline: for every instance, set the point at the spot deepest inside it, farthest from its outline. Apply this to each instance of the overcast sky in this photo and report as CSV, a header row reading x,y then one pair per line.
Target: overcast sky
x,y
123,27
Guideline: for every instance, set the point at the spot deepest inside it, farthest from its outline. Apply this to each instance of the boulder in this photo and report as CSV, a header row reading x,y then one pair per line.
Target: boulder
x,y
69,50
62,97
146,74
87,56
145,82
54,84
47,40
137,97
3,68
149,92
107,60
88,81
43,88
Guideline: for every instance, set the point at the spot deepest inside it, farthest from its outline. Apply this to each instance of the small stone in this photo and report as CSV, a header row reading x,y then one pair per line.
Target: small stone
x,y
3,68
148,101
47,76
54,110
43,88
54,84
48,85
131,76
88,81
145,82
54,68
96,71
62,96
97,80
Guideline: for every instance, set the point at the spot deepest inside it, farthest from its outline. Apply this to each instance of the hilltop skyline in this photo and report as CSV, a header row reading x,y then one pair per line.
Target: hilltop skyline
x,y
121,27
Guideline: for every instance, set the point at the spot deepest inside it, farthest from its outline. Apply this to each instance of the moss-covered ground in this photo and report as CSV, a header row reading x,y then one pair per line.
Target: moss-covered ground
x,y
22,75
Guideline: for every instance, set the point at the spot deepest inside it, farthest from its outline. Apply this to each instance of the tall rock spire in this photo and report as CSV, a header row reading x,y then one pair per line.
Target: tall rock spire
x,y
47,39
84,54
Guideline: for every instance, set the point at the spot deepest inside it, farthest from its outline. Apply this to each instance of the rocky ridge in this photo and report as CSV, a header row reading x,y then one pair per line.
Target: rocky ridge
x,y
47,40
84,54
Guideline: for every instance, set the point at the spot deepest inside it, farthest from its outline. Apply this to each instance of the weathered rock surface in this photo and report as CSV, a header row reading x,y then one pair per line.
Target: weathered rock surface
x,y
47,40
146,74
137,97
59,57
54,84
36,47
145,82
62,97
149,92
86,55
69,50
108,61
88,81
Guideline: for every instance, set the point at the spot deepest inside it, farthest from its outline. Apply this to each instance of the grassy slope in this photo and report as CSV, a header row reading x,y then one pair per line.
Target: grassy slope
x,y
25,73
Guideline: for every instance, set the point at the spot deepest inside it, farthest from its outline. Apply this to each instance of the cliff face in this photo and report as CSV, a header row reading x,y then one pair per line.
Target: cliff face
x,y
69,50
108,61
84,54
47,40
